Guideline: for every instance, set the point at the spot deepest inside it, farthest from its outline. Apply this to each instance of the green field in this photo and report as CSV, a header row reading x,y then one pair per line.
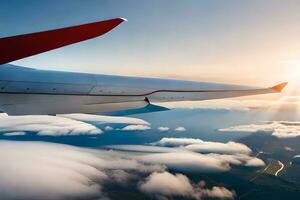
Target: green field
x,y
272,167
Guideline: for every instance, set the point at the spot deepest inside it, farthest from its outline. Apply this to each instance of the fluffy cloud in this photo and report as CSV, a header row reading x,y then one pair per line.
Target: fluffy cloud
x,y
47,125
70,124
163,128
186,161
165,184
142,148
3,115
182,159
280,129
102,119
39,170
201,146
216,192
239,159
217,147
180,129
14,133
254,162
190,161
108,128
174,142
135,128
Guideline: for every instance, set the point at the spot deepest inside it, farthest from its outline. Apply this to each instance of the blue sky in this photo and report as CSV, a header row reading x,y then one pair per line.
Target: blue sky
x,y
231,41
249,42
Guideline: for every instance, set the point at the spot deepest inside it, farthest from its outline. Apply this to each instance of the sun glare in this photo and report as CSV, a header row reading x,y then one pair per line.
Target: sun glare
x,y
292,69
292,76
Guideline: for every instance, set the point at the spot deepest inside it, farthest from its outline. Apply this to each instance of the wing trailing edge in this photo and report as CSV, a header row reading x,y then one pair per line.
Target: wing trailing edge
x,y
22,46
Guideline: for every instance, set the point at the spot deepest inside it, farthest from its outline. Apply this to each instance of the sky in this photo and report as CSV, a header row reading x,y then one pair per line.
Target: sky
x,y
249,42
178,153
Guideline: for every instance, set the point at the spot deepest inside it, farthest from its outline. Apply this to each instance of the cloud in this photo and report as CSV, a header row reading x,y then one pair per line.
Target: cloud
x,y
120,176
102,119
291,99
70,124
135,128
217,192
40,170
164,184
3,115
280,129
142,148
240,159
201,146
47,125
254,162
180,129
196,162
163,128
174,142
20,133
167,184
178,158
108,128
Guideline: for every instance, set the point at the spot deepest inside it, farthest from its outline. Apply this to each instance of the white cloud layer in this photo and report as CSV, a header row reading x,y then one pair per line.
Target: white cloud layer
x,y
39,170
102,119
190,161
46,125
71,124
198,145
183,159
142,148
280,129
20,133
164,184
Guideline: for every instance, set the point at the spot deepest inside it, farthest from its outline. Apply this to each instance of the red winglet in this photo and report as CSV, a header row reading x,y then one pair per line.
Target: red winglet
x,y
21,46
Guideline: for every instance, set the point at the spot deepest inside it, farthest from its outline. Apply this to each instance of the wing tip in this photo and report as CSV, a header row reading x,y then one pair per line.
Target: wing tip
x,y
118,20
123,19
279,87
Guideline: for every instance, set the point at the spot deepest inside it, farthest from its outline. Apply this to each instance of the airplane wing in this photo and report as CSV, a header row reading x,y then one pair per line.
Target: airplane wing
x,y
210,91
21,46
27,91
